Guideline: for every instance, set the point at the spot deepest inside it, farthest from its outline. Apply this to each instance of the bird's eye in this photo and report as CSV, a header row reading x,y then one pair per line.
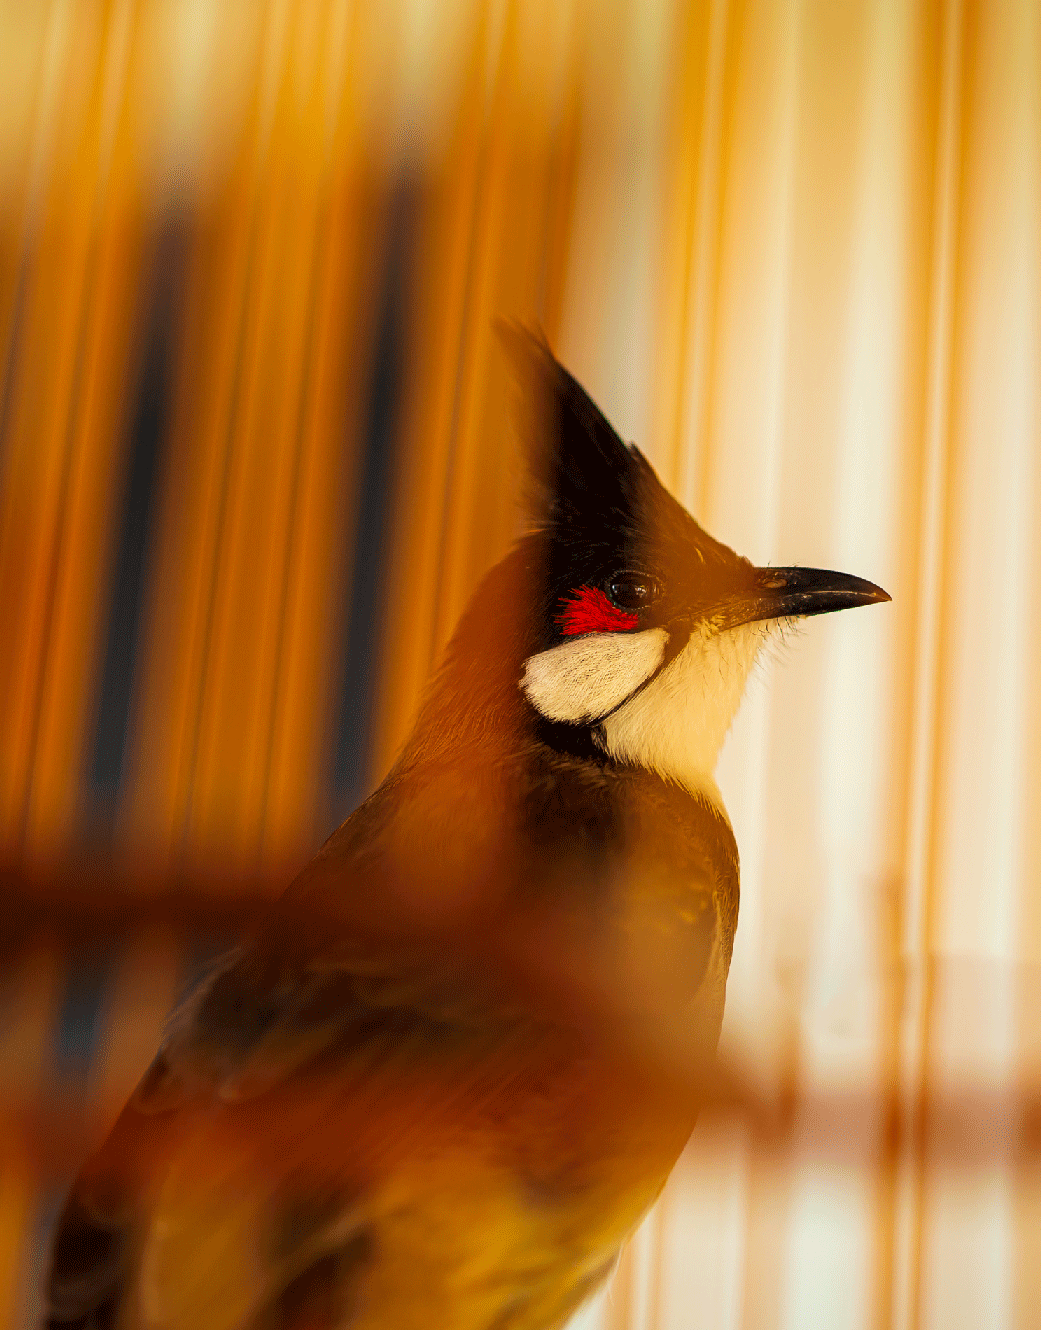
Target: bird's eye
x,y
633,591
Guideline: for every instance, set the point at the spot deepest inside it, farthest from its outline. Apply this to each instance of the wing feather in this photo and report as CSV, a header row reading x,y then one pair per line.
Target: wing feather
x,y
287,1157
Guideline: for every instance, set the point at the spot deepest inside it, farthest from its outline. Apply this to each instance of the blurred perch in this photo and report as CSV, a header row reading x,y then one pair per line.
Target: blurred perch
x,y
66,906
967,1122
968,1126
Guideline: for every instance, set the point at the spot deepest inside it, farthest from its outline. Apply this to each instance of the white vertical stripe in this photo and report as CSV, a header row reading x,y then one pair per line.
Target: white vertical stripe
x,y
993,583
702,287
747,442
915,942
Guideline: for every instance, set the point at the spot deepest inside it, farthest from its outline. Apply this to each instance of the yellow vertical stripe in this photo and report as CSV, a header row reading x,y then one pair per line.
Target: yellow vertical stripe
x,y
348,255
61,467
441,293
919,902
188,565
495,226
227,792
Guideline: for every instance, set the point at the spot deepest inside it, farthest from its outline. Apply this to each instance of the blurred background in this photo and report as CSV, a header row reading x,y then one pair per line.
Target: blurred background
x,y
253,458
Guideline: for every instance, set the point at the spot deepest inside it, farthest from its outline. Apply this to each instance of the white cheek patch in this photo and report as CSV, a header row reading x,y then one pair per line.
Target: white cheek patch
x,y
581,681
677,724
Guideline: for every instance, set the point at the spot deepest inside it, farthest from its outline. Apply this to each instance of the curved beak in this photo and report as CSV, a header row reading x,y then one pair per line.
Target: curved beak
x,y
781,593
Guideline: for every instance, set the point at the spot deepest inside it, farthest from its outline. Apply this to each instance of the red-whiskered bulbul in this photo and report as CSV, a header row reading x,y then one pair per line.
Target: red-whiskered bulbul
x,y
453,1066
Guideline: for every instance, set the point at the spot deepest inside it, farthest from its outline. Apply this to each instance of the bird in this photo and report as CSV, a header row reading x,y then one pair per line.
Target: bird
x,y
450,1069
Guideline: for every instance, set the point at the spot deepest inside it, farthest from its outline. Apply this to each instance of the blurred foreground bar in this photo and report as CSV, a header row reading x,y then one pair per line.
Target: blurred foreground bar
x,y
108,924
67,907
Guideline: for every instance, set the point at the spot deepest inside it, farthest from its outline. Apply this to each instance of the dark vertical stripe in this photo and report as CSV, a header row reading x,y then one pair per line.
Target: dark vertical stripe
x,y
40,1231
78,1023
147,435
367,553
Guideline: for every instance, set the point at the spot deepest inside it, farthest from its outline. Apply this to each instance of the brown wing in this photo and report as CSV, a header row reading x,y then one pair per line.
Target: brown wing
x,y
247,1154
339,1150
342,1128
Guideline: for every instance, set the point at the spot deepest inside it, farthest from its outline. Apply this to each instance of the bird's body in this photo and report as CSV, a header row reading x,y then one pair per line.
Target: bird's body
x,y
452,1068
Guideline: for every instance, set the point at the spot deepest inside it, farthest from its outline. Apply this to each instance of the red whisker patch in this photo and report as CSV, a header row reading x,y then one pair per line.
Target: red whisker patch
x,y
589,611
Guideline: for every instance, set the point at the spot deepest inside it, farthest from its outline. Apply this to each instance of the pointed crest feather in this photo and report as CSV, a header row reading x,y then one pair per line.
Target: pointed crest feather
x,y
576,459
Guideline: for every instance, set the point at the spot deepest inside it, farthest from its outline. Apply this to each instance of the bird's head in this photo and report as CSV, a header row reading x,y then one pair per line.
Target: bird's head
x,y
639,628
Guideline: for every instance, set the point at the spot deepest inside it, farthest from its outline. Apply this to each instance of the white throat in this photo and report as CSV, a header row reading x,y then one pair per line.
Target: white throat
x,y
676,725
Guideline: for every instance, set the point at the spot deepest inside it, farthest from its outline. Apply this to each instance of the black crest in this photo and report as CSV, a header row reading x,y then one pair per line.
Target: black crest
x,y
585,477
606,520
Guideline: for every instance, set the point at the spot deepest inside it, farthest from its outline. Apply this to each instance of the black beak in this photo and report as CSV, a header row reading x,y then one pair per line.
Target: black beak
x,y
781,593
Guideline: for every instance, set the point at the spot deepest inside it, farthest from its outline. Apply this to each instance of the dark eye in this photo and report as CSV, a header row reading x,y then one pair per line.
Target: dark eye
x,y
633,591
